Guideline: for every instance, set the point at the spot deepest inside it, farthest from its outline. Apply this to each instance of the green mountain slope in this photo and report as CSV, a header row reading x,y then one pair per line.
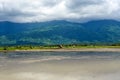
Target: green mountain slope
x,y
59,32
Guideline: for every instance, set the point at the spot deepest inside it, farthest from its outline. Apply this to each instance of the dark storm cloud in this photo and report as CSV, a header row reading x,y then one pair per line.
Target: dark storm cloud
x,y
82,3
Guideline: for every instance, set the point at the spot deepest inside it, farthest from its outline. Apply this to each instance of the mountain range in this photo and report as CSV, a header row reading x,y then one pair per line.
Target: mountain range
x,y
59,32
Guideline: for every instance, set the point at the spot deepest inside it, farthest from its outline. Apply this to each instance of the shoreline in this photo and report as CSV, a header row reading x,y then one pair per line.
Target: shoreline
x,y
68,50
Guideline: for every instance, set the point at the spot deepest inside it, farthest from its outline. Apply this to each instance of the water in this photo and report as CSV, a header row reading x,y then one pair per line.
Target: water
x,y
60,66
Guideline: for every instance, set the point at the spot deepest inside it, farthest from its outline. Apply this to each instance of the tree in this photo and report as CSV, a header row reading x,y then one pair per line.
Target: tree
x,y
5,48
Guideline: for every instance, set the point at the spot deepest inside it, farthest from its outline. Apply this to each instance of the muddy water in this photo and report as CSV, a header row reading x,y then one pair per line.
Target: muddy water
x,y
60,66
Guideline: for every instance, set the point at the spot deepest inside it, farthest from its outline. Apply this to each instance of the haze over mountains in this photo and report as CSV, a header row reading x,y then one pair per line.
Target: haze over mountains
x,y
59,32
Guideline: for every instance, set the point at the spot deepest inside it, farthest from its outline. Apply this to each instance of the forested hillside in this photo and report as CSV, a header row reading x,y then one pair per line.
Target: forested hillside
x,y
59,32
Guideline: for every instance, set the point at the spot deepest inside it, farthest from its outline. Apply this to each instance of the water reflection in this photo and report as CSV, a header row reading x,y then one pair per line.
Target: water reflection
x,y
59,66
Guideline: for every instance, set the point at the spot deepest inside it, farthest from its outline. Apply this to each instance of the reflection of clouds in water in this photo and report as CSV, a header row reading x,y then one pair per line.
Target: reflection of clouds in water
x,y
68,67
50,58
2,57
1,65
47,76
44,59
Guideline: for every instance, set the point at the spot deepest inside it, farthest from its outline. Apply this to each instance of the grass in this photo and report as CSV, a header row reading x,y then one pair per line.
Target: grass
x,y
12,48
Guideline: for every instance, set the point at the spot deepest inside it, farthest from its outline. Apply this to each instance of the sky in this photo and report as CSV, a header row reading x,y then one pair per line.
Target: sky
x,y
47,10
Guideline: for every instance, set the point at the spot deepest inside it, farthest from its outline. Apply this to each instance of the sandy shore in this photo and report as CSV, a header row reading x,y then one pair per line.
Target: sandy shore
x,y
77,50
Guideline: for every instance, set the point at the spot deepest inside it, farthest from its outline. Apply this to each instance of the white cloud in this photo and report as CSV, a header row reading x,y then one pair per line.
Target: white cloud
x,y
72,10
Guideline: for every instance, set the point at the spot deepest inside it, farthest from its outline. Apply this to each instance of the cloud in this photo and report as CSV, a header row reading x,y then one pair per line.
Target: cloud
x,y
46,10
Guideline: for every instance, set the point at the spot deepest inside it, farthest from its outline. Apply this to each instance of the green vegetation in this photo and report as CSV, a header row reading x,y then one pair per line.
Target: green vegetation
x,y
59,32
72,46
